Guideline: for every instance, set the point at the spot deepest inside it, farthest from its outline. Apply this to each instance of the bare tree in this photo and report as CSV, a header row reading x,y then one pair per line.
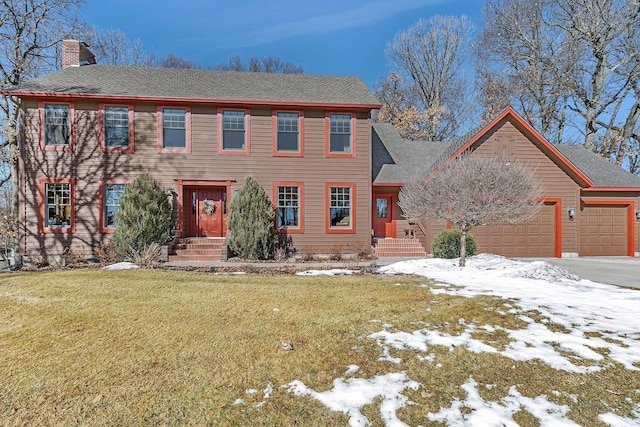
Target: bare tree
x,y
513,48
112,47
428,79
29,31
474,190
570,61
175,61
267,64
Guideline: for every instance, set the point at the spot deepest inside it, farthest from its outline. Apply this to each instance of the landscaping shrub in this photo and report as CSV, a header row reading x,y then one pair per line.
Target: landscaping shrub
x,y
250,222
144,218
447,244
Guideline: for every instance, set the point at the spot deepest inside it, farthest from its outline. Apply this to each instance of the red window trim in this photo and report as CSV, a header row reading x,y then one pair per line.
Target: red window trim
x,y
327,222
247,132
41,203
290,230
187,125
327,134
72,133
101,185
102,146
274,137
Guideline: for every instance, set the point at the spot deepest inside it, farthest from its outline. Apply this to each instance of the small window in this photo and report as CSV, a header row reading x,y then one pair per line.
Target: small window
x,y
340,133
340,208
111,197
57,125
116,126
57,209
288,132
174,128
288,209
233,130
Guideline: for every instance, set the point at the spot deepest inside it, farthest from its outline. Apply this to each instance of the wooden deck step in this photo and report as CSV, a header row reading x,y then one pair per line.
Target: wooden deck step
x,y
388,248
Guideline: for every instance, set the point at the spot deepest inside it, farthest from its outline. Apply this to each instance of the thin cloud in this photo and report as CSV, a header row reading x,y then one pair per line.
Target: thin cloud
x,y
364,15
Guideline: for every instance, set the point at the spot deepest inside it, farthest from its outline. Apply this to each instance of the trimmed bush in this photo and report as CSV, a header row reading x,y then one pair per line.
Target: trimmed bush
x,y
250,222
144,218
447,244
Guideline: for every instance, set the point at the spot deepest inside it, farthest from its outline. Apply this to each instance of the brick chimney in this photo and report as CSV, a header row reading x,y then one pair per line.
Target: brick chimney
x,y
76,53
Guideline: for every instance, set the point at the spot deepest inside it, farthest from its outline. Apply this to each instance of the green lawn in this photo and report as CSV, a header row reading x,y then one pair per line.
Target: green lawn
x,y
152,347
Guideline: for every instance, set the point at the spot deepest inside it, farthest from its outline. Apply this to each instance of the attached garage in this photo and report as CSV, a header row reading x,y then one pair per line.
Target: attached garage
x,y
604,230
535,238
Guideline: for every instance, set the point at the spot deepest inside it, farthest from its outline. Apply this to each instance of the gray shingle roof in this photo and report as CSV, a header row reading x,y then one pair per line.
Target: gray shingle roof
x,y
601,171
398,161
175,83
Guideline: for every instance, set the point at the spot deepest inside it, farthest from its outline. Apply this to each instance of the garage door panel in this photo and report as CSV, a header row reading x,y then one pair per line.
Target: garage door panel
x,y
603,231
533,238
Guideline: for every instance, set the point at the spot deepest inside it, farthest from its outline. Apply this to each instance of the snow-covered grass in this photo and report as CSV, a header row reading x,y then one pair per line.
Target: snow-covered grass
x,y
497,343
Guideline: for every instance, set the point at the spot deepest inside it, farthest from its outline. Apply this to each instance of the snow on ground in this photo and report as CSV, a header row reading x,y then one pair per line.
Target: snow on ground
x,y
592,316
121,266
349,396
583,307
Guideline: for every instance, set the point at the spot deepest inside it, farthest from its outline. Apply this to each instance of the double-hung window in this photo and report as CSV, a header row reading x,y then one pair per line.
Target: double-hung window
x,y
340,201
57,126
116,128
174,129
289,206
288,132
57,205
111,194
340,134
233,130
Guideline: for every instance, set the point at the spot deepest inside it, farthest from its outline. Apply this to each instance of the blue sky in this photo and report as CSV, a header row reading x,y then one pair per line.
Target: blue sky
x,y
335,37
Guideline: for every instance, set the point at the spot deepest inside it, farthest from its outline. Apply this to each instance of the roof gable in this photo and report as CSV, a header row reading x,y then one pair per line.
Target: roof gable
x,y
477,136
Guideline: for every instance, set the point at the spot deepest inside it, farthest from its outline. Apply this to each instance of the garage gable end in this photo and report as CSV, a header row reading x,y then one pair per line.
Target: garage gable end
x,y
478,136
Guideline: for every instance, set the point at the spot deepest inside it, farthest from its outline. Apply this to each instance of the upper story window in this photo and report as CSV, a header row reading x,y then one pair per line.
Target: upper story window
x,y
57,126
57,205
340,135
117,128
233,137
288,132
174,129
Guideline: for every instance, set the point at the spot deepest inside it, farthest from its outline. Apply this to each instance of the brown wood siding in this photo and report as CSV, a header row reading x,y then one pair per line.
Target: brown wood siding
x,y
88,165
508,141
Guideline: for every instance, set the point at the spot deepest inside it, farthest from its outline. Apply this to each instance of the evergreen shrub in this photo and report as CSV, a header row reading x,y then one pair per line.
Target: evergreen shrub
x,y
144,218
447,244
251,222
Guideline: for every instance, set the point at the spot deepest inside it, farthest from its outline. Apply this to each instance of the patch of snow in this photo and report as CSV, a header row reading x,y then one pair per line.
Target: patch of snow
x,y
333,272
238,402
595,315
267,391
487,413
251,391
352,369
350,396
120,266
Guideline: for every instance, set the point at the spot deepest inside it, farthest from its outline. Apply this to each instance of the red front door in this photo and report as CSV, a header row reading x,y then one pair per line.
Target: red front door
x,y
207,216
382,215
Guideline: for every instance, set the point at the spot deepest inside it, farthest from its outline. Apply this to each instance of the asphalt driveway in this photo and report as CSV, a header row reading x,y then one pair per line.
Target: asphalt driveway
x,y
621,271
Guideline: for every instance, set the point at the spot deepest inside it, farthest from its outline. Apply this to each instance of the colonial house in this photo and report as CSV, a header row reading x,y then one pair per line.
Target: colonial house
x,y
89,130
